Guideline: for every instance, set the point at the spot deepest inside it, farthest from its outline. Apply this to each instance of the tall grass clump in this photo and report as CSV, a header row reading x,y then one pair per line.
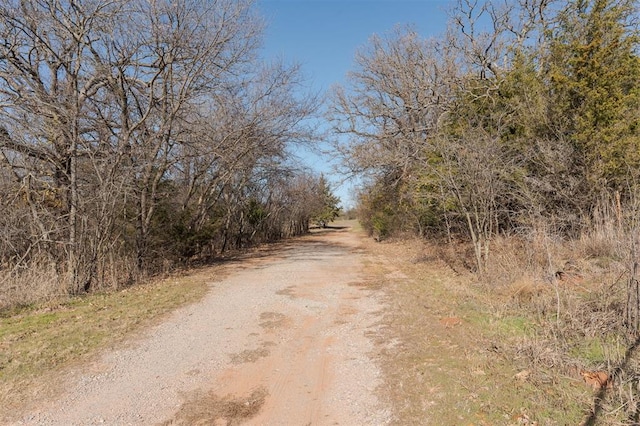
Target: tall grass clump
x,y
39,281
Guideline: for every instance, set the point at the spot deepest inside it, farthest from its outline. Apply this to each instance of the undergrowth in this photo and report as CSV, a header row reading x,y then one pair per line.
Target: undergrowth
x,y
546,314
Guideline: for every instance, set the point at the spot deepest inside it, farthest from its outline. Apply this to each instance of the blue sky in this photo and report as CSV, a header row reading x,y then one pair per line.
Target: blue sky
x,y
323,36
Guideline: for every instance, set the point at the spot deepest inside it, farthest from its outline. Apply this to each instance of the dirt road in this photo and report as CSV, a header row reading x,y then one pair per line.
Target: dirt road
x,y
284,339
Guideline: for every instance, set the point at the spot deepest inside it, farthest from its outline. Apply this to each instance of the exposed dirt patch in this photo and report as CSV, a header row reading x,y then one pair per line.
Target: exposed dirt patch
x,y
288,291
273,320
252,355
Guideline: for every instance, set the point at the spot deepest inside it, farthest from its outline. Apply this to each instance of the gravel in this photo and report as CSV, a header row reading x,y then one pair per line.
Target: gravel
x,y
293,322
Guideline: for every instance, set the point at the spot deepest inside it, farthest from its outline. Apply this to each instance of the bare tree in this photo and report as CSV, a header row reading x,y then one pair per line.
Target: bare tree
x,y
398,95
242,140
46,81
177,55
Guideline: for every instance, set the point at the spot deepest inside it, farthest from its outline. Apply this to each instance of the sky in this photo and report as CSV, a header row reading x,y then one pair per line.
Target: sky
x,y
323,37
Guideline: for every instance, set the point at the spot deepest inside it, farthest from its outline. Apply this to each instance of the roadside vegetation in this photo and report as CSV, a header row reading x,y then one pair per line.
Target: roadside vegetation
x,y
459,351
137,137
510,147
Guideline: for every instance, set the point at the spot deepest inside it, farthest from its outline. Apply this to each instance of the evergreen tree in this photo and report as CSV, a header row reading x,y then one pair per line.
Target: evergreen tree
x,y
594,93
328,206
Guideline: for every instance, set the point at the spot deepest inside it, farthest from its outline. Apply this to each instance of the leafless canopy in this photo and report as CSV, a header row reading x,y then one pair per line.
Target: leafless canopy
x,y
135,133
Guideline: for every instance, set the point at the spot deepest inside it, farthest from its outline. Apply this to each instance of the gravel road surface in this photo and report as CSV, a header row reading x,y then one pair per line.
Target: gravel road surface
x,y
286,338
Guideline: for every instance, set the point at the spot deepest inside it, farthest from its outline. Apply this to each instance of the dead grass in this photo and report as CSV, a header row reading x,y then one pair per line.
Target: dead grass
x,y
41,281
209,409
40,341
23,286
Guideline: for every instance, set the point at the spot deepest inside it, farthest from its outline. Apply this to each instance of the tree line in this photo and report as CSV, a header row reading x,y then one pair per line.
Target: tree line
x,y
137,135
523,115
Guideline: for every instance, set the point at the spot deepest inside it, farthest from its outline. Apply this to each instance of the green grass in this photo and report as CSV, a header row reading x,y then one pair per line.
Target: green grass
x,y
591,351
40,340
515,325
